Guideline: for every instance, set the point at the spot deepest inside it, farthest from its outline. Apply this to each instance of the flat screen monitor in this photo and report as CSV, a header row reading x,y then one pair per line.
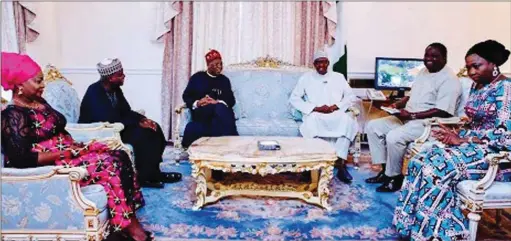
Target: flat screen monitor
x,y
396,73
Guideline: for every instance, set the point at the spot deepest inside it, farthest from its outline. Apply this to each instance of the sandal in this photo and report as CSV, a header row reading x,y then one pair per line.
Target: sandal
x,y
150,236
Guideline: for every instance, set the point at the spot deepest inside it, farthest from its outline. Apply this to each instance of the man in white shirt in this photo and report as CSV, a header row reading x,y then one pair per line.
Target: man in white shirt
x,y
435,93
323,98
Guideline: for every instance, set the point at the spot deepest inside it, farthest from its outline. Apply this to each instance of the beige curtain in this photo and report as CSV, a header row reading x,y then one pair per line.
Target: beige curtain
x,y
243,31
9,35
316,32
164,13
176,62
24,17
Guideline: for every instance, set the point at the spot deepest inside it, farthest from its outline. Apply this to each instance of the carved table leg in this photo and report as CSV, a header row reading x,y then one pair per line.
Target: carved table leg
x,y
323,191
199,173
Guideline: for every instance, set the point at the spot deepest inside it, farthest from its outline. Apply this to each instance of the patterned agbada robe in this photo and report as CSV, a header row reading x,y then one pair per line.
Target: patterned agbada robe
x,y
428,206
27,132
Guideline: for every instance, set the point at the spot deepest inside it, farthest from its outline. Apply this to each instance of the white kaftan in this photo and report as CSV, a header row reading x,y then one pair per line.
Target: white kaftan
x,y
315,90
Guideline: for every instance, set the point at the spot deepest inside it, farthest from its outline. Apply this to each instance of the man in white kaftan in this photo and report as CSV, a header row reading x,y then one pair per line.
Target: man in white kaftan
x,y
323,98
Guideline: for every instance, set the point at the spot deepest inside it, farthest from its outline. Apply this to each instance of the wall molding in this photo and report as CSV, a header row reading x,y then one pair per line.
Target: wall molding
x,y
94,71
360,75
370,75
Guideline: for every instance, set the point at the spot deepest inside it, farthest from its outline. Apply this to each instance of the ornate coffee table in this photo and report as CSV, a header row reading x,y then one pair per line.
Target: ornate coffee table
x,y
241,154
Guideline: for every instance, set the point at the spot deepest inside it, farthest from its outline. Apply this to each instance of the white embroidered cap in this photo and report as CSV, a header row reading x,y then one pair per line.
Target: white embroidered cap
x,y
109,66
320,54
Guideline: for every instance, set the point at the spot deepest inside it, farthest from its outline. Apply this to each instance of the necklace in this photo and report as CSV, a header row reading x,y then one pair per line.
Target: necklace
x,y
30,106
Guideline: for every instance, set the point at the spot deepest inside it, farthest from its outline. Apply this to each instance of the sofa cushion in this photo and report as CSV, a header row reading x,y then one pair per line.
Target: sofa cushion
x,y
262,127
96,193
63,98
296,114
23,172
268,127
263,93
497,191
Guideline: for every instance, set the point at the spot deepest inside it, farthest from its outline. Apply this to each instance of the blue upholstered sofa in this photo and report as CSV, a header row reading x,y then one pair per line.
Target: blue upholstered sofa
x,y
47,203
262,91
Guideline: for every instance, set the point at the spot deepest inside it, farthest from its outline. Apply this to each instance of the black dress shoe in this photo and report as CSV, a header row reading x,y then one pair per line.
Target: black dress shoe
x,y
150,237
170,177
393,184
380,178
152,184
343,174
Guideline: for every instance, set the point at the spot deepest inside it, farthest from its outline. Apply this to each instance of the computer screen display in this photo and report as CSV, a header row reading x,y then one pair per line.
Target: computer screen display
x,y
396,73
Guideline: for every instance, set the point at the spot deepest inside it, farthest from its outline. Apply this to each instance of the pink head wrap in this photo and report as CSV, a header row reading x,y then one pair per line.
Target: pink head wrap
x,y
16,69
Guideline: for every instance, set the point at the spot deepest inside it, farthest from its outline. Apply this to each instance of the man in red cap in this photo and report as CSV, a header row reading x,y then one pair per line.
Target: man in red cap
x,y
209,95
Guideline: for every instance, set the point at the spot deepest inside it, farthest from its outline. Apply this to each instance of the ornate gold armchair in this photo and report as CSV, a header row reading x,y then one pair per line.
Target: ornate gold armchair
x,y
47,203
262,88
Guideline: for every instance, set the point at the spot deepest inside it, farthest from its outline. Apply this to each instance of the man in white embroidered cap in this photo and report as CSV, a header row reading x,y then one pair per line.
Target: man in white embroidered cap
x,y
323,98
104,101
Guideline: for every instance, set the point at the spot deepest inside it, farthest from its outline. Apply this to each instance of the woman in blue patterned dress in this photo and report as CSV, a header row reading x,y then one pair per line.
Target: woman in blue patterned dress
x,y
428,208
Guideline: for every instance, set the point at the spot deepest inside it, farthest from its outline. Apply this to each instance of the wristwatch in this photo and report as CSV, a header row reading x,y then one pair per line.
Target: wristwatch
x,y
413,116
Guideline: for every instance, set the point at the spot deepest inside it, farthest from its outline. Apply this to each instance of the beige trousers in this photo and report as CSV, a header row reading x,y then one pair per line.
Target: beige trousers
x,y
388,139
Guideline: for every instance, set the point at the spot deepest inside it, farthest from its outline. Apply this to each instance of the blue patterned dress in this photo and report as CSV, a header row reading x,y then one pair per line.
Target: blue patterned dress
x,y
428,207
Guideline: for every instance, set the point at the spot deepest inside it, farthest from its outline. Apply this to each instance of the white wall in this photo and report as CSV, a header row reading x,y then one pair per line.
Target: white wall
x,y
80,34
399,29
77,35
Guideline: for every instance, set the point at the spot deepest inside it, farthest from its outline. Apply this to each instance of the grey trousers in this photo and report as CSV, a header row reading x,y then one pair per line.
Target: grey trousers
x,y
388,139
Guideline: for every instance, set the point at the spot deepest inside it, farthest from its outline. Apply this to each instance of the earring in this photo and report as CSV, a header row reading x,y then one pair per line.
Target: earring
x,y
20,91
495,71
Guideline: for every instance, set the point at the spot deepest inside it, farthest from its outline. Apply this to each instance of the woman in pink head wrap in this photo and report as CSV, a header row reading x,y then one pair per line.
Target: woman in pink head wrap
x,y
33,134
17,70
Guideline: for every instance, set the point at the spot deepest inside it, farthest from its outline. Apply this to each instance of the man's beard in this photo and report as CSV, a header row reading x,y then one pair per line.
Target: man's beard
x,y
115,86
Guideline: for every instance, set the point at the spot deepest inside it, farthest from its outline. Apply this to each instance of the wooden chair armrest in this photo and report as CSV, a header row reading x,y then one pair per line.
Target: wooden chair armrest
x,y
448,121
180,109
354,111
494,159
429,123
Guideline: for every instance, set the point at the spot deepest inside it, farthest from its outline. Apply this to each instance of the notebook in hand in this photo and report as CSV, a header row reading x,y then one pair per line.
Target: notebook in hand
x,y
268,145
391,111
450,121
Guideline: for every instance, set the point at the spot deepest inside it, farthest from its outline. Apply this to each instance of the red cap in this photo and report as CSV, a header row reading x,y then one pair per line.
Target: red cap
x,y
212,55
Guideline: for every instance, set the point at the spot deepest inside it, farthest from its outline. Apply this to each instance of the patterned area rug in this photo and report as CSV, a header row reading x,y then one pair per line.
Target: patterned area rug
x,y
358,213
